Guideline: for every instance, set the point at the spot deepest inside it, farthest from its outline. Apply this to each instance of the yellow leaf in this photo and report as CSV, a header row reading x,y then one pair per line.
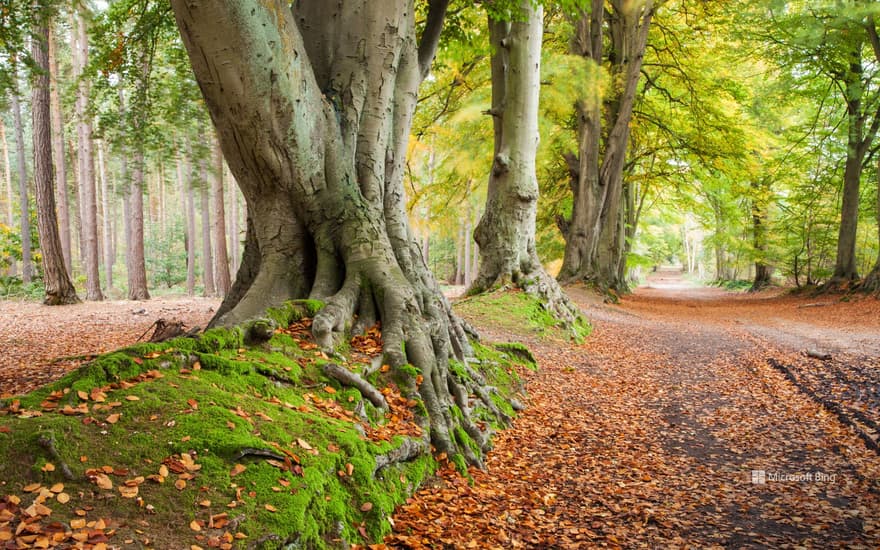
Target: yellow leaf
x,y
62,498
48,467
102,481
57,488
132,398
194,525
270,508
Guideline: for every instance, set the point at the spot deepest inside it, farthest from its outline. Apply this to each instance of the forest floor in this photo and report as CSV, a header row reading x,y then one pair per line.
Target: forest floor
x,y
690,418
671,428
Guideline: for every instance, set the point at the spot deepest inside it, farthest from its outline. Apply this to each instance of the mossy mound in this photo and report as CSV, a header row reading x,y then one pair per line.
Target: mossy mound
x,y
214,442
520,313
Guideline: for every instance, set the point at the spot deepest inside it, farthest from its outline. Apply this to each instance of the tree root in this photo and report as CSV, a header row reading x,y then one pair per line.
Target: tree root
x,y
48,444
352,379
259,453
410,449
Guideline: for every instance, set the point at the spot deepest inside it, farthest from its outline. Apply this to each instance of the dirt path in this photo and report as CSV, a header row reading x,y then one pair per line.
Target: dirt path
x,y
650,434
40,343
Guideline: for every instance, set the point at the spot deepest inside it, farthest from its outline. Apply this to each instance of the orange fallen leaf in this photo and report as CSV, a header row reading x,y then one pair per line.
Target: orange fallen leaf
x,y
180,484
270,508
62,498
366,507
194,525
237,469
113,418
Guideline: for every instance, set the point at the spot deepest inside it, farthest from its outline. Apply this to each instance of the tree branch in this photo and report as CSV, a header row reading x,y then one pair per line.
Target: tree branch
x,y
431,35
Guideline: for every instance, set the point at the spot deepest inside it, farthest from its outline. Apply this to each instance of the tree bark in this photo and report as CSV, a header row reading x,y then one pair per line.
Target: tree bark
x,y
7,175
506,232
594,236
86,163
190,227
234,230
313,107
59,157
107,228
872,280
59,289
207,250
763,271
221,258
27,264
137,268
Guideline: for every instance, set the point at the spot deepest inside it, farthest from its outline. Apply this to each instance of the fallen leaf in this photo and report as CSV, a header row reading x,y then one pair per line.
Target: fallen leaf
x,y
113,418
237,469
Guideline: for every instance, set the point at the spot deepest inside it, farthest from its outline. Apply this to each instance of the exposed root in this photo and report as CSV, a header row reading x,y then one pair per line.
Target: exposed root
x,y
352,379
259,453
48,444
410,449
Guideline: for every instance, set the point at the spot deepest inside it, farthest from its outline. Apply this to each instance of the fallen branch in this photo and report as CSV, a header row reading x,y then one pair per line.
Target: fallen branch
x,y
354,380
166,330
816,354
48,444
816,304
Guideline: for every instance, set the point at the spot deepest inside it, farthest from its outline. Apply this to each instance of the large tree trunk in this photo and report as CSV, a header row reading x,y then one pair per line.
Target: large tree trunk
x,y
221,258
61,199
234,239
86,164
59,289
594,236
506,232
313,109
190,230
7,177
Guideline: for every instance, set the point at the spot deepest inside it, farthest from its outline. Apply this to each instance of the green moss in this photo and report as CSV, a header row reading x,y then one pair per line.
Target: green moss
x,y
294,310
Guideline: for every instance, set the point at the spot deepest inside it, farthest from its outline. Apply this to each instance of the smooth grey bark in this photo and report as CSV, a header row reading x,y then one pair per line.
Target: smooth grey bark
x,y
872,280
506,232
594,238
7,177
313,108
58,154
85,161
59,288
27,264
222,283
234,229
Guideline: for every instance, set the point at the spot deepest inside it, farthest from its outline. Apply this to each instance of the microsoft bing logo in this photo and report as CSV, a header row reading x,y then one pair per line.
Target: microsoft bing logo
x,y
759,477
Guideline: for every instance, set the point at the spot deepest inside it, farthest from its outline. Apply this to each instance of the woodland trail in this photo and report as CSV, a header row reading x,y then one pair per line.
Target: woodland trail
x,y
648,435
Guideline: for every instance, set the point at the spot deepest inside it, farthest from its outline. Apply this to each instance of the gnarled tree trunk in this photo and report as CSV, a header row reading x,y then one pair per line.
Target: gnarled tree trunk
x,y
59,289
506,232
313,108
594,236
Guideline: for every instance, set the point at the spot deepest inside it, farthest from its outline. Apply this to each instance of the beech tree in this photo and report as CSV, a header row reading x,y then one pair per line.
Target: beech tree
x,y
594,234
59,289
506,232
313,106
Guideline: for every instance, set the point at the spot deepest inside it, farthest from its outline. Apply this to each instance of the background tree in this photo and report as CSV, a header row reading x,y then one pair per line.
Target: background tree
x,y
59,289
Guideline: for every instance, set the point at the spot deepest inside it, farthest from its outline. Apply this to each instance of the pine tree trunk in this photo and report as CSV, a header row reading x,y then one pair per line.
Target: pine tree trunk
x,y
59,289
137,269
58,152
27,264
7,175
107,229
324,180
506,232
207,251
86,164
234,229
221,259
594,239
190,227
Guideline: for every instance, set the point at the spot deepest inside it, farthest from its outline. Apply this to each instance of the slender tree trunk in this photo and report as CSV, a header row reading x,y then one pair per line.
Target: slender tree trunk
x,y
595,235
27,264
207,255
7,175
190,226
221,259
88,207
107,233
324,180
137,269
58,153
234,229
872,280
760,200
59,289
506,232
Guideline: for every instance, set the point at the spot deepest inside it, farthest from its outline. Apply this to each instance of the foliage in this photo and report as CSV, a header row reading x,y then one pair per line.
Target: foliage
x,y
166,255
